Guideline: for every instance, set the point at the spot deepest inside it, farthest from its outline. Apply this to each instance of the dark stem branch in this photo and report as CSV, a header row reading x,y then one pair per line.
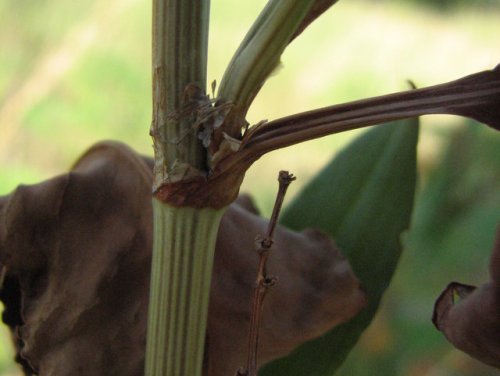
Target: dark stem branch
x,y
263,282
284,179
476,96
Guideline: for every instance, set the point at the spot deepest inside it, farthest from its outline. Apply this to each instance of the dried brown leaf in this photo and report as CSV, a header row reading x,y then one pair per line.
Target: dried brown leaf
x,y
469,317
316,290
78,246
76,253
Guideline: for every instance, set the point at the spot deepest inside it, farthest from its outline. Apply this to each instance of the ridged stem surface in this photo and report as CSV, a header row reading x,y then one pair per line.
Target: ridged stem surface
x,y
183,252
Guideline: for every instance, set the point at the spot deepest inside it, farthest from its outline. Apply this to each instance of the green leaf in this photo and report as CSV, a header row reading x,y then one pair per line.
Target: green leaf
x,y
364,200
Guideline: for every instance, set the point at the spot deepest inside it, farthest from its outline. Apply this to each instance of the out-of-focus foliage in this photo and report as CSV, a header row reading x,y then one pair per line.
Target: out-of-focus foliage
x,y
446,5
457,210
364,200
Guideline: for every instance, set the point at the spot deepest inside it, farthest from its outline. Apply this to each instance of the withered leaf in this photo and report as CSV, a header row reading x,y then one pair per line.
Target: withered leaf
x,y
469,317
76,253
78,247
316,290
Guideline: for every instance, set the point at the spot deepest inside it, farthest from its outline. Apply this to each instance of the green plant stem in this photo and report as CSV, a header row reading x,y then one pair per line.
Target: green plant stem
x,y
180,44
184,243
258,55
184,238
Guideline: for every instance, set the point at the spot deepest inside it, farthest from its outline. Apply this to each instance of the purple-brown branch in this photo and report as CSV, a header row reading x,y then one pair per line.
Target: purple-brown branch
x,y
264,282
476,96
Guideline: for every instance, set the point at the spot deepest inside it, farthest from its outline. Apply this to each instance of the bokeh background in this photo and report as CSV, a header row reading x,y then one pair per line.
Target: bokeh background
x,y
75,72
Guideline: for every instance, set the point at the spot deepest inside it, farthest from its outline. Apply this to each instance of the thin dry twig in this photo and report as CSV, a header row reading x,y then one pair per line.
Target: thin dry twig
x,y
263,282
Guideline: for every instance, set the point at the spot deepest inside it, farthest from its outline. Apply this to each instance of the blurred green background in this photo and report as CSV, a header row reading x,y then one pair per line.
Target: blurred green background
x,y
73,73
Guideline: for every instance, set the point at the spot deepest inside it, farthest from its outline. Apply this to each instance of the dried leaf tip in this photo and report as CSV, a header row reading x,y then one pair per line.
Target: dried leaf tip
x,y
469,316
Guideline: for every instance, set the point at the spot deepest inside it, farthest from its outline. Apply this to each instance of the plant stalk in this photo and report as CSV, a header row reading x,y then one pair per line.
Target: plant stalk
x,y
184,237
184,243
258,55
180,45
475,96
263,282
